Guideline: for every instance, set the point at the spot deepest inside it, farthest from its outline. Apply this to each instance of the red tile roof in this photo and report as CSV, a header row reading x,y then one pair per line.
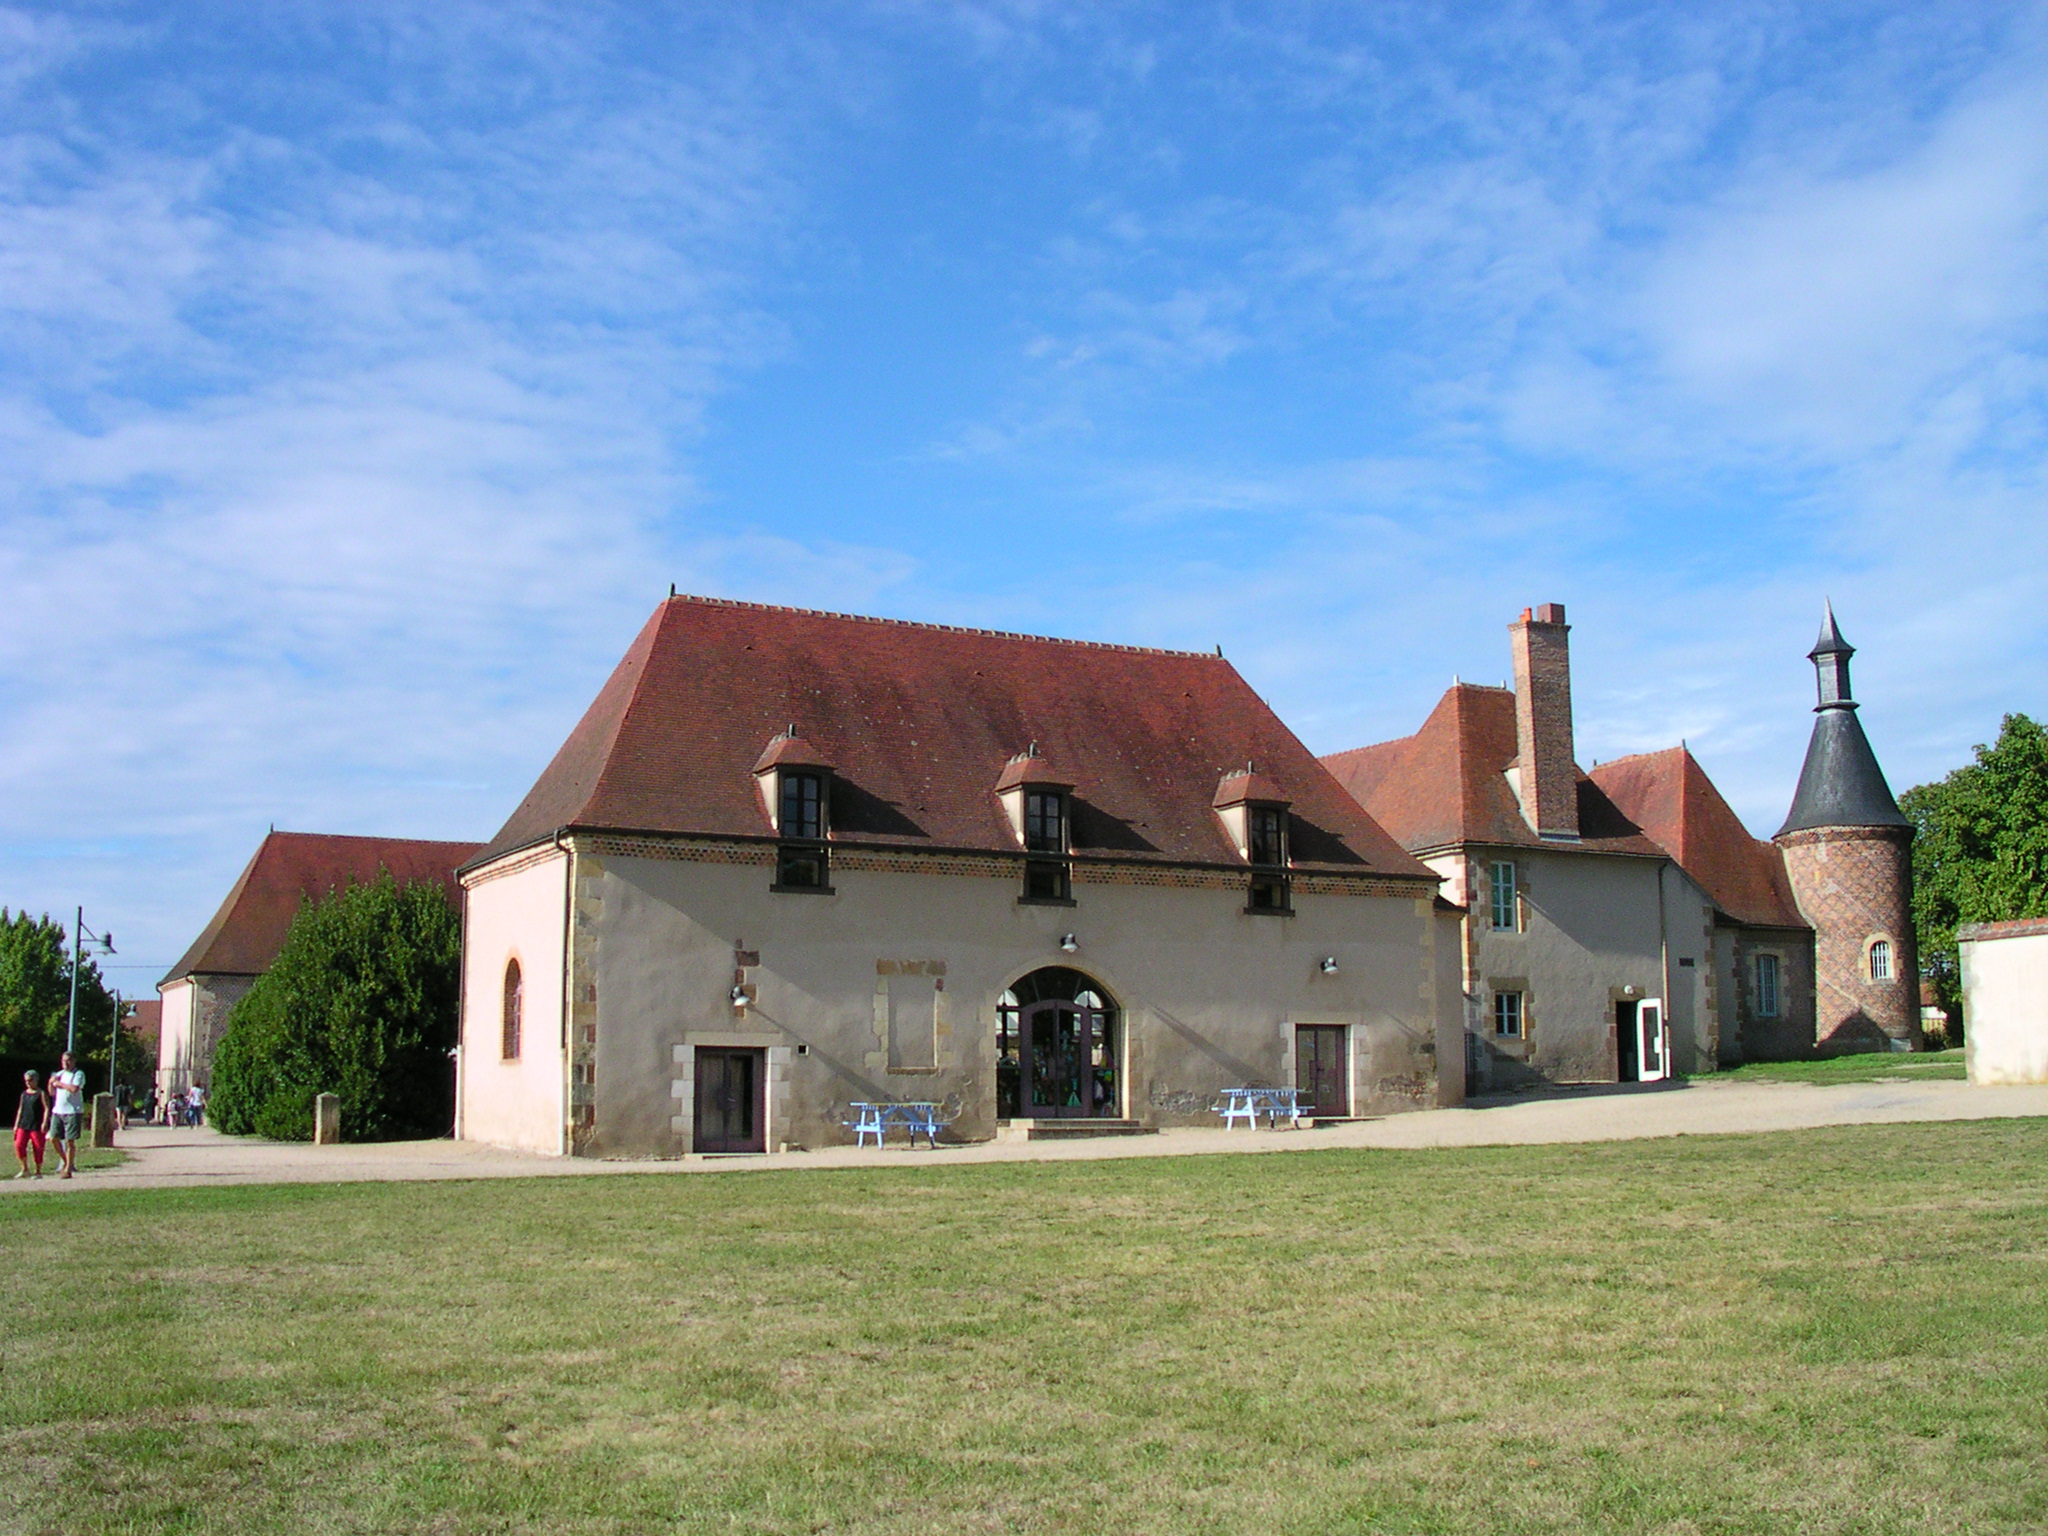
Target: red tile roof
x,y
145,1021
920,721
290,867
1670,796
1447,783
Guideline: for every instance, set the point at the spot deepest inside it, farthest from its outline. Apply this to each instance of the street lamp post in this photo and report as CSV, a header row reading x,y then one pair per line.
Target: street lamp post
x,y
104,943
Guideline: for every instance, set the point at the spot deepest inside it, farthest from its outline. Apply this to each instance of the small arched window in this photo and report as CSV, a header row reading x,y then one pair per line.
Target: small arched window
x,y
509,1040
1880,960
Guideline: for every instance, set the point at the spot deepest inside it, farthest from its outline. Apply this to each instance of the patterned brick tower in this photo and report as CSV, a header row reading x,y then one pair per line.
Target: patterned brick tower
x,y
1849,854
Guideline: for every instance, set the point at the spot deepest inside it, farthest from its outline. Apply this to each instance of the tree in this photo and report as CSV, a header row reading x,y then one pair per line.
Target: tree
x,y
361,1003
35,998
1981,853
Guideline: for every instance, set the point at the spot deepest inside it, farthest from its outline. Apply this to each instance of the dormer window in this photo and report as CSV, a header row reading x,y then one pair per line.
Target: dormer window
x,y
796,792
1267,836
1257,820
1035,800
1045,821
803,805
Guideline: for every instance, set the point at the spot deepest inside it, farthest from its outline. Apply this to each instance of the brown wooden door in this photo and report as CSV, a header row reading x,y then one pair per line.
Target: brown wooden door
x,y
1319,1069
730,1114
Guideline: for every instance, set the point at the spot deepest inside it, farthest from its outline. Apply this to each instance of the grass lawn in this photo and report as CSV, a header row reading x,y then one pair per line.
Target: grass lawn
x,y
1825,1331
1864,1067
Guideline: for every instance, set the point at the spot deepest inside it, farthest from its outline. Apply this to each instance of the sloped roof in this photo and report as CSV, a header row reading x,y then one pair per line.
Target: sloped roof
x,y
1669,795
1447,783
290,867
920,721
1840,784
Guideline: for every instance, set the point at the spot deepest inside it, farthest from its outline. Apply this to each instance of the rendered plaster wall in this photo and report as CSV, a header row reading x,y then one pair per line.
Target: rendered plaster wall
x,y
2005,1008
518,915
1594,930
1209,994
174,1038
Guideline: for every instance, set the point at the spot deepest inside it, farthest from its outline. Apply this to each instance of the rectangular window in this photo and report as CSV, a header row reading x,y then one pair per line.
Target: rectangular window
x,y
1268,894
1266,838
1046,880
1507,1014
913,1023
803,869
1045,821
803,805
1767,986
1506,908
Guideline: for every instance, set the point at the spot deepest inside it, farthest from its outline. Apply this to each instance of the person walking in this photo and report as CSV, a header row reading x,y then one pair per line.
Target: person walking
x,y
67,1110
30,1115
198,1104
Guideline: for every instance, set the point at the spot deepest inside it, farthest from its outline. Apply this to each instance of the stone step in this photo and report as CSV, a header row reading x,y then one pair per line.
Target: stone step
x,y
1074,1130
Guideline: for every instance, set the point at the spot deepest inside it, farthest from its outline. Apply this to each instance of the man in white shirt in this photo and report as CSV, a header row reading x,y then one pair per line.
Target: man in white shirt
x,y
67,1110
198,1105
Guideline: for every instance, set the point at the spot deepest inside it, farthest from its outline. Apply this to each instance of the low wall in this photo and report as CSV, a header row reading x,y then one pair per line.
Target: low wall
x,y
2005,1000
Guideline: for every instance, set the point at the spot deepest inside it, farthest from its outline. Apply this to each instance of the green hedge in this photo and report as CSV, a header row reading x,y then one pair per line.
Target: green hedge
x,y
361,1002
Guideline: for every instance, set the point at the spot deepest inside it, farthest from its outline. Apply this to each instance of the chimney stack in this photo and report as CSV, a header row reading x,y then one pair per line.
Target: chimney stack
x,y
1547,778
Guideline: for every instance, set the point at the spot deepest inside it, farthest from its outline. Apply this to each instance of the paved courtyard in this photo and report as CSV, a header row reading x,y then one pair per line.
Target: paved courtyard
x,y
161,1158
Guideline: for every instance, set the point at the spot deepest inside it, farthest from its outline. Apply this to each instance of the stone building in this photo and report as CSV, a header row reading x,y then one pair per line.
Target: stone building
x,y
238,945
790,861
1624,923
1849,856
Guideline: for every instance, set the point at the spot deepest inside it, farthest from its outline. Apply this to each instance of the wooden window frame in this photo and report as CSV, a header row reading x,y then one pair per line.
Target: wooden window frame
x,y
1520,1011
1770,993
808,794
1513,892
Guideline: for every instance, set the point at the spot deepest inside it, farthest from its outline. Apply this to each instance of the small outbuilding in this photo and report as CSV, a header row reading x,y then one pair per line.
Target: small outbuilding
x,y
2005,1000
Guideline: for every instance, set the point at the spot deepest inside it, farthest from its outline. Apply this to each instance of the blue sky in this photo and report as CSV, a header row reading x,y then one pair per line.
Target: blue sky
x,y
368,372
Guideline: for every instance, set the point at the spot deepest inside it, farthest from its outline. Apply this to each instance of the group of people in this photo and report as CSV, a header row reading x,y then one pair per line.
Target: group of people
x,y
50,1112
53,1111
174,1108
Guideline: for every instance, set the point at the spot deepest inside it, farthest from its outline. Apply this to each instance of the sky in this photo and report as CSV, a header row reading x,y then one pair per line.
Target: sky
x,y
368,372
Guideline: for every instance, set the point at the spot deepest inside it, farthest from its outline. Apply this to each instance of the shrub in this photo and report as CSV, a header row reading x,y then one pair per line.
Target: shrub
x,y
361,1002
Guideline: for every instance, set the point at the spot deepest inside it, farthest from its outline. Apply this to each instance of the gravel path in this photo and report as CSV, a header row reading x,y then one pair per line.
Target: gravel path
x,y
167,1159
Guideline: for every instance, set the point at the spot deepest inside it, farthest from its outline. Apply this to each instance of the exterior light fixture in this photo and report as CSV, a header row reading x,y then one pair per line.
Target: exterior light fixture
x,y
1329,965
1068,943
739,997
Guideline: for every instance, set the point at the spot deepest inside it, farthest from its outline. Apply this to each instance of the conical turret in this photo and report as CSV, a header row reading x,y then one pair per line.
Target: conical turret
x,y
1849,857
1841,784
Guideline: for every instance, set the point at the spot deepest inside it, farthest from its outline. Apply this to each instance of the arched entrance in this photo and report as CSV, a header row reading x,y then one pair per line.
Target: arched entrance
x,y
1059,1049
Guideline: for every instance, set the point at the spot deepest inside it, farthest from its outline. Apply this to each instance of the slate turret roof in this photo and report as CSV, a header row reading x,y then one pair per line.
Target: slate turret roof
x,y
1840,784
919,722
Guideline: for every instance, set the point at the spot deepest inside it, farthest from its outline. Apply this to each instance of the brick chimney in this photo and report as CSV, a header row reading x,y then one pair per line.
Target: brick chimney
x,y
1547,779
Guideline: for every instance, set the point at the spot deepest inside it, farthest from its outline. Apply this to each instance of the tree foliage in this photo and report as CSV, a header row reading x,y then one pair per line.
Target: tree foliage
x,y
1981,853
360,1002
35,999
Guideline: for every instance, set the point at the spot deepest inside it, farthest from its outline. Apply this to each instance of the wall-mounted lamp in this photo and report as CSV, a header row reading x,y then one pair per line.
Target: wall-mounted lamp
x,y
1628,991
739,998
1329,965
1068,943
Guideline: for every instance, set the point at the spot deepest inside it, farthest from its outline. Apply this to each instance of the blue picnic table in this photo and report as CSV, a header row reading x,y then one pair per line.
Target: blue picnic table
x,y
1247,1104
918,1118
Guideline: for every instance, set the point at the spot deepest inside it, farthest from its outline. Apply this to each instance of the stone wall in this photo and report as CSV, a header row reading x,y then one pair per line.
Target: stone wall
x,y
1209,994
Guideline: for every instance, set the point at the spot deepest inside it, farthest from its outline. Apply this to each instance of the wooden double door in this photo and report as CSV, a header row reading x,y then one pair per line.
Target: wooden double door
x,y
732,1111
1322,1071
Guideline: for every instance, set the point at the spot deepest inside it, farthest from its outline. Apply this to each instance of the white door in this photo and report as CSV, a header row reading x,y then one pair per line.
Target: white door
x,y
1653,1058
